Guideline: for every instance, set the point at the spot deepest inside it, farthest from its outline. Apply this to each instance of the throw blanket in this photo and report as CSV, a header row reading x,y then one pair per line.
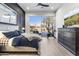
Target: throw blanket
x,y
23,41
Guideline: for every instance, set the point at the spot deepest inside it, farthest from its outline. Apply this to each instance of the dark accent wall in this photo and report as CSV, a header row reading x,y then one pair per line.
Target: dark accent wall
x,y
20,14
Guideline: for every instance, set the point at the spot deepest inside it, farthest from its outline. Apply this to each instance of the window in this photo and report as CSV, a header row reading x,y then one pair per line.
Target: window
x,y
7,15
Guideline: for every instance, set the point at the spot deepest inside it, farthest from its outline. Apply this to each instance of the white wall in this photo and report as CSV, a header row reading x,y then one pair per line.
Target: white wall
x,y
59,20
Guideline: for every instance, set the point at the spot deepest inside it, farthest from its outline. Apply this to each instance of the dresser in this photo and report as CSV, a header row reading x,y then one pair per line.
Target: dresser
x,y
69,39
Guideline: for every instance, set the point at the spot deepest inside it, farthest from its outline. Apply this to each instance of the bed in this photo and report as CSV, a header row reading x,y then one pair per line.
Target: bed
x,y
10,44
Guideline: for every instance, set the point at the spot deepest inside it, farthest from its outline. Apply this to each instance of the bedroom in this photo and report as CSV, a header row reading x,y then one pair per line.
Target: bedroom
x,y
18,37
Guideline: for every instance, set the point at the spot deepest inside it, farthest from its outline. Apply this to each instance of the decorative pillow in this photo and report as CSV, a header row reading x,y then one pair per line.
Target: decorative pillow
x,y
11,34
3,39
31,36
10,41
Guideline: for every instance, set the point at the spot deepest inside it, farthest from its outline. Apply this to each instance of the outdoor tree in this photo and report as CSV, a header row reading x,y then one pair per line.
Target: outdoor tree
x,y
72,20
48,22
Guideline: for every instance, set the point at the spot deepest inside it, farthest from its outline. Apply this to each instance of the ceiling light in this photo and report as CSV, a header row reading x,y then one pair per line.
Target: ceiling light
x,y
27,7
52,7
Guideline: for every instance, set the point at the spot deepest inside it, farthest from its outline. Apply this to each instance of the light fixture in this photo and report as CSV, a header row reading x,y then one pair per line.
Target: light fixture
x,y
52,7
28,8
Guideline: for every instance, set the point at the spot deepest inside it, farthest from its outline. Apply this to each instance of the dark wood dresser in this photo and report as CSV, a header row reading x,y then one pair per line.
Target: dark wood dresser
x,y
69,38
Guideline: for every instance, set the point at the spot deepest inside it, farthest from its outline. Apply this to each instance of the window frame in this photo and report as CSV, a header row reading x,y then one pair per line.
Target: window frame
x,y
13,11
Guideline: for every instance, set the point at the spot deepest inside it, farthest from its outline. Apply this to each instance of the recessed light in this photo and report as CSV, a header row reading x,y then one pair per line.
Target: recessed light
x,y
52,7
27,7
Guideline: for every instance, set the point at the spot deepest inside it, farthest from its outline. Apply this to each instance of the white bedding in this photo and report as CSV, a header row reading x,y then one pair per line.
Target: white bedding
x,y
30,35
10,42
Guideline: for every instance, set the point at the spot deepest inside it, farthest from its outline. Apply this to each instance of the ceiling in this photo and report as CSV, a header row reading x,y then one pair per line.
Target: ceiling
x,y
68,9
32,7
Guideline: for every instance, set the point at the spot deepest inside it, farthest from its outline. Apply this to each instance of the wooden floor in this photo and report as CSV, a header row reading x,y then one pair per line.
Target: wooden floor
x,y
50,47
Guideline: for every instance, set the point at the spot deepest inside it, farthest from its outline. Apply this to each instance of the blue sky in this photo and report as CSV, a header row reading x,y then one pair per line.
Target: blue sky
x,y
36,19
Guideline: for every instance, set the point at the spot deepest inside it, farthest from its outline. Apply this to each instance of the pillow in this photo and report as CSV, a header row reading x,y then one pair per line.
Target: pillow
x,y
31,36
10,41
11,34
1,35
3,39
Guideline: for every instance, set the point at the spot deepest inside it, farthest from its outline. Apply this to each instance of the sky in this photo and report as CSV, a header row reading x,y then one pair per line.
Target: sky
x,y
36,19
72,12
